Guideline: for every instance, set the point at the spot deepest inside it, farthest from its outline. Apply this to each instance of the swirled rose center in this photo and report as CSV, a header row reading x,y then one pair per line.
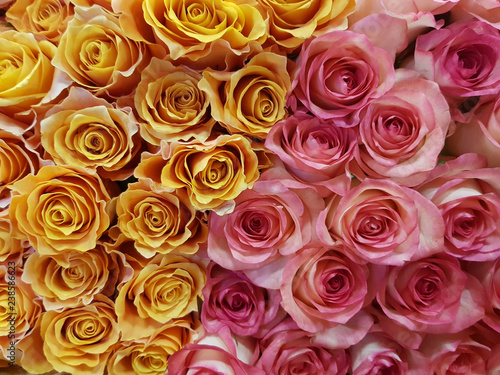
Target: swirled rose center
x,y
256,225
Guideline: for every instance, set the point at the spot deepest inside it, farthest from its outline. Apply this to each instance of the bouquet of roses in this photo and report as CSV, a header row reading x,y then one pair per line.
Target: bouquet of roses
x,y
252,187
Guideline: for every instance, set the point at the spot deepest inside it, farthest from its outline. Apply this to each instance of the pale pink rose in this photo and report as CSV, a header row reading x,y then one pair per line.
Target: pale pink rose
x,y
462,58
288,350
382,222
455,354
402,133
336,83
468,197
230,299
378,354
484,129
485,10
315,151
268,223
432,295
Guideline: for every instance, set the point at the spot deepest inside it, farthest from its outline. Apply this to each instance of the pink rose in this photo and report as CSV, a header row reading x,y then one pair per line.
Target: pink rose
x,y
231,300
336,83
463,58
268,223
382,222
432,295
403,131
315,151
288,350
468,197
485,10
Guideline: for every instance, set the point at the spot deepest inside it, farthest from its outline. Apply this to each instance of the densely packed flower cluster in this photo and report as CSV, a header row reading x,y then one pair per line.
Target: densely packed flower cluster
x,y
254,187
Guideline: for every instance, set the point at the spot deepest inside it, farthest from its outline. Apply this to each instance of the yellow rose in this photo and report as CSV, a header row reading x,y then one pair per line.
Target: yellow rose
x,y
167,288
72,278
95,53
189,27
59,209
45,18
11,249
85,131
17,160
26,71
79,340
213,173
32,358
292,22
149,356
159,221
171,105
252,99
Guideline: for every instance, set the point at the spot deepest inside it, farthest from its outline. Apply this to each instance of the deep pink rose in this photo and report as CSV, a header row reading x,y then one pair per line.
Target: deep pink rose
x,y
383,223
315,151
432,295
468,197
340,73
231,300
463,58
323,288
288,350
403,131
268,223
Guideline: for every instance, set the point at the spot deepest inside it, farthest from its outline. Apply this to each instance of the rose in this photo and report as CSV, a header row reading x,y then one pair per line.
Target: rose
x,y
159,221
321,287
212,173
468,198
61,208
252,99
463,58
382,223
96,54
72,278
84,131
45,18
432,295
231,300
79,340
402,133
168,287
484,129
290,24
485,10
316,152
27,74
11,249
268,223
149,356
336,83
17,159
171,105
192,28
288,350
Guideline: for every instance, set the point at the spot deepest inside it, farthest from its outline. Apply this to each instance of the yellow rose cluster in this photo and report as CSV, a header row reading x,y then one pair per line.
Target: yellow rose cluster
x,y
123,123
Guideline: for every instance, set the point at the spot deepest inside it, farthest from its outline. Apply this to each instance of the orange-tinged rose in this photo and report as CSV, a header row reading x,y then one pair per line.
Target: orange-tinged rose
x,y
159,221
190,27
252,99
149,355
85,131
171,105
106,4
11,249
167,288
292,22
79,340
213,172
45,18
95,53
61,208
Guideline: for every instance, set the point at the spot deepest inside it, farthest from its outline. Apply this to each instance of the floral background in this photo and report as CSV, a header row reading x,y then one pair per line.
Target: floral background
x,y
256,187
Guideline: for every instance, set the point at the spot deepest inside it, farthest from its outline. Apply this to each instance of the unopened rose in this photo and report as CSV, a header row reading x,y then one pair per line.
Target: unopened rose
x,y
60,209
170,104
336,83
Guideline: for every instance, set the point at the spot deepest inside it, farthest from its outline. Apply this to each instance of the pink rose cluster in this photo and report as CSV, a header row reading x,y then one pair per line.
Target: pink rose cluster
x,y
368,247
